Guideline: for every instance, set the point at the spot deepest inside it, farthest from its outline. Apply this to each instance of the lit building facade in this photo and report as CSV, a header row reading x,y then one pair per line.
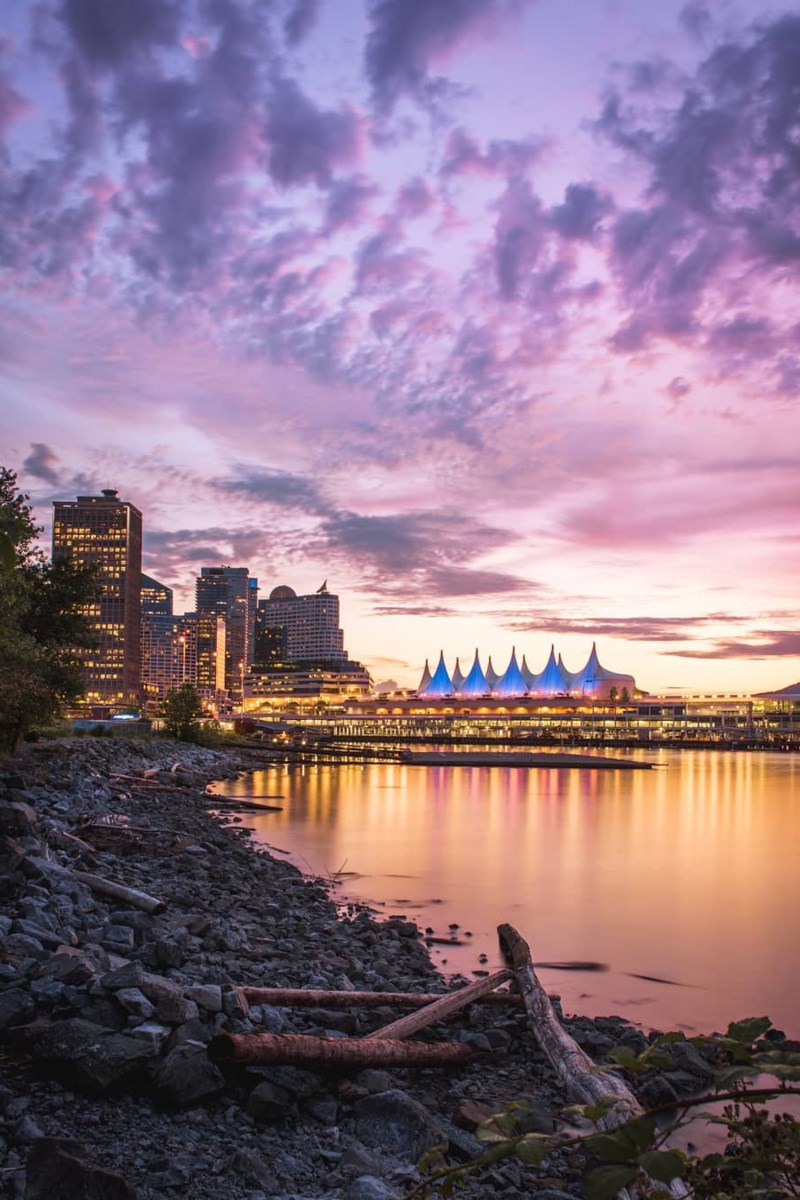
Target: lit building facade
x,y
230,593
106,532
299,629
169,655
156,598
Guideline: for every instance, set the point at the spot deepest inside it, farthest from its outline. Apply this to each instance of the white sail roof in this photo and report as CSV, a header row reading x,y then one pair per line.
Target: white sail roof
x,y
527,674
492,678
426,678
595,678
476,683
550,681
441,684
457,677
512,682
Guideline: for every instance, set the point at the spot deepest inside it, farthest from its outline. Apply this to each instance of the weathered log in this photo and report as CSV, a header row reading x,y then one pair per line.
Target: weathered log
x,y
298,1049
319,998
443,1007
583,1080
118,891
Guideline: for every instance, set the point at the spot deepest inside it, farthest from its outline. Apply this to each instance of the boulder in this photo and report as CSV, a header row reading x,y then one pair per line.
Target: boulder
x,y
187,1076
90,1056
393,1122
59,1169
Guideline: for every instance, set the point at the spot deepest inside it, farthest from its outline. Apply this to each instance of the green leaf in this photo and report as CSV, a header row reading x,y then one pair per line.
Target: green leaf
x,y
640,1131
532,1148
625,1057
604,1183
730,1075
749,1030
663,1165
657,1058
613,1147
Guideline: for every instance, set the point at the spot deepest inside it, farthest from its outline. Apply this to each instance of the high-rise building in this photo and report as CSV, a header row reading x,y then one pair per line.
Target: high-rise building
x,y
229,592
169,655
299,629
156,598
210,657
107,533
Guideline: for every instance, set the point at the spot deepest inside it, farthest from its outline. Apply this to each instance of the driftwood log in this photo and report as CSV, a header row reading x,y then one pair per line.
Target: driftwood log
x,y
103,887
583,1080
319,998
303,1050
442,1007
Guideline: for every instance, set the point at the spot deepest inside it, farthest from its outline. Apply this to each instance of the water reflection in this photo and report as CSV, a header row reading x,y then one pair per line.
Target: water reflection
x,y
685,873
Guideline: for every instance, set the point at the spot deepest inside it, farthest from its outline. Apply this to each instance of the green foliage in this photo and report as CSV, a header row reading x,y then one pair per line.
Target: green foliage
x,y
762,1156
181,710
41,622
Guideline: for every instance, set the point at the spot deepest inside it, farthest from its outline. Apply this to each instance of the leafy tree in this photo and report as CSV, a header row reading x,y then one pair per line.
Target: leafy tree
x,y
612,695
181,708
42,621
625,696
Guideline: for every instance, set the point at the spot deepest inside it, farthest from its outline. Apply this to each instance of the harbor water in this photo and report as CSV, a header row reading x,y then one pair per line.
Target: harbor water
x,y
682,881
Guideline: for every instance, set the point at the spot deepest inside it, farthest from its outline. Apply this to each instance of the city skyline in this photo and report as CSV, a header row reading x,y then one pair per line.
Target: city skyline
x,y
484,310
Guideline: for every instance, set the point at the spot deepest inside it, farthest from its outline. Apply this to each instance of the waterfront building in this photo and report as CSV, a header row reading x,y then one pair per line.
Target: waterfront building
x,y
106,532
229,593
594,681
299,652
476,683
211,637
301,629
169,655
156,598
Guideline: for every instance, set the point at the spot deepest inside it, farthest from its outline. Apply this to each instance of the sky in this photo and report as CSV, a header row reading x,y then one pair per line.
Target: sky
x,y
485,311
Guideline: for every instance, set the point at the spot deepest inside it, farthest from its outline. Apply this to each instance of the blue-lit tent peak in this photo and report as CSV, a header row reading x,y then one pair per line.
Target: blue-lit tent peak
x,y
458,676
550,681
441,684
527,674
492,677
511,683
426,678
476,683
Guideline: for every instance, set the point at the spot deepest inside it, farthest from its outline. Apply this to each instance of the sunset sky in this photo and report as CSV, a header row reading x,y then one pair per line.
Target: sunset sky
x,y
487,311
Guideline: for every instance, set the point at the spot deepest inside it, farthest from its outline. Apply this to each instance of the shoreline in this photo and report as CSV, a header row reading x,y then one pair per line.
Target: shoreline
x,y
82,971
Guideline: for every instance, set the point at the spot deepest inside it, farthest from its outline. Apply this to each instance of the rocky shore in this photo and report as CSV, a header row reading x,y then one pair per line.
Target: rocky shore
x,y
107,1085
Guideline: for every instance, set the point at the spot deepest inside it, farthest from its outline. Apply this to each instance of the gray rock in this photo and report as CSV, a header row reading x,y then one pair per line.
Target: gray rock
x,y
187,1076
136,1003
269,1103
393,1122
207,996
119,939
687,1057
175,1010
59,1169
656,1092
16,1007
130,975
369,1187
89,1056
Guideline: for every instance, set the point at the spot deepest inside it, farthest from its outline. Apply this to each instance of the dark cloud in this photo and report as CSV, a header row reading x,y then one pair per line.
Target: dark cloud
x,y
582,211
107,33
723,180
506,158
408,36
678,387
281,488
166,551
348,200
307,142
643,629
775,643
42,463
300,20
696,19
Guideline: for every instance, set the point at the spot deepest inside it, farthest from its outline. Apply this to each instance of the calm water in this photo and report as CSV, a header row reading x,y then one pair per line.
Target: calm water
x,y
688,872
